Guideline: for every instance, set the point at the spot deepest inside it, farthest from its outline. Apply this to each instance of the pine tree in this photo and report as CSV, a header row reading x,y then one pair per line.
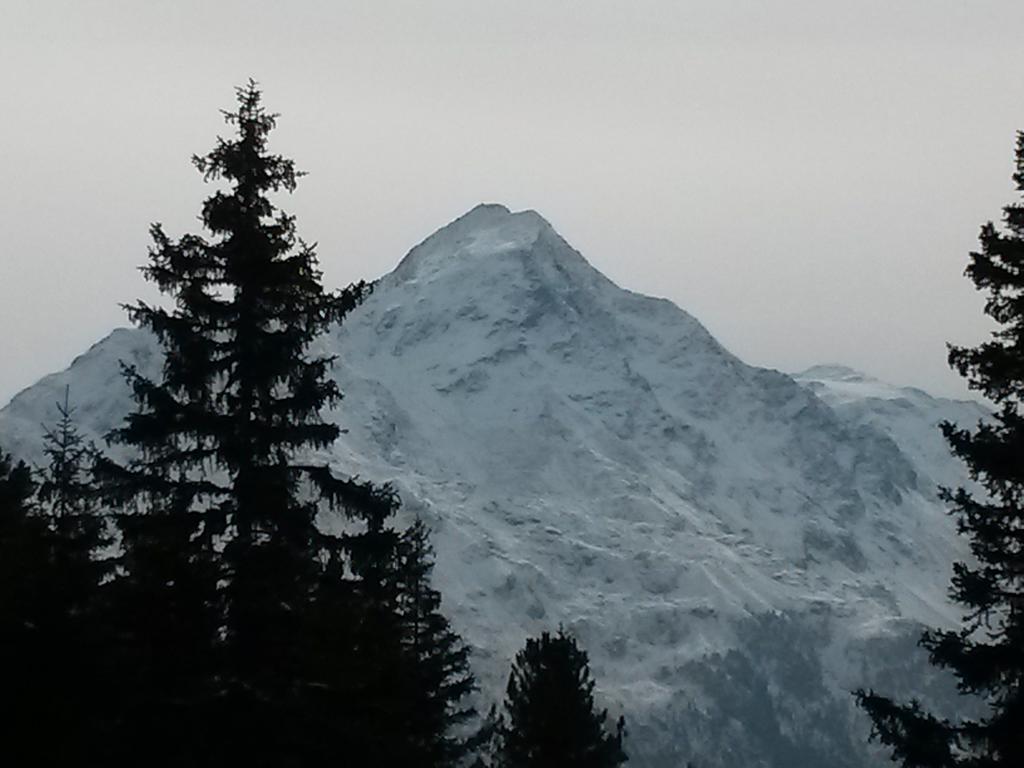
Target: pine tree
x,y
267,411
549,719
53,621
377,685
439,679
987,653
69,502
406,672
75,637
220,534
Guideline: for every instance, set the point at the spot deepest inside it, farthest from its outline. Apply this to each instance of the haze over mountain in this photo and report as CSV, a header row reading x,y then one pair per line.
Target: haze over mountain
x,y
736,547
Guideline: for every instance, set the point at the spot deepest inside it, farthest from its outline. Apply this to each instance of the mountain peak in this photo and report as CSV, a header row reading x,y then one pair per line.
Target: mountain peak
x,y
489,229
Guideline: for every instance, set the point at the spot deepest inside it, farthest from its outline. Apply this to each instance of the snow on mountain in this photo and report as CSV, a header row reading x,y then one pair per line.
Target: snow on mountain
x,y
737,548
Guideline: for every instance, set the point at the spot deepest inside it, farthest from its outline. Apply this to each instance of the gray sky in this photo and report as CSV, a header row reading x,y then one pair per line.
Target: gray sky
x,y
804,176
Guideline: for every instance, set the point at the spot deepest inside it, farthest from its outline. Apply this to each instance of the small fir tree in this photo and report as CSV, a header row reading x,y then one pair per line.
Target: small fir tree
x,y
439,679
78,640
407,678
550,718
987,653
69,500
377,686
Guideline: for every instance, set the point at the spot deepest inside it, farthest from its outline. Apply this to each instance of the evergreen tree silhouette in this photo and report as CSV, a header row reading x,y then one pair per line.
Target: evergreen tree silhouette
x,y
405,673
53,623
76,640
227,578
245,634
549,719
377,685
68,499
987,653
439,679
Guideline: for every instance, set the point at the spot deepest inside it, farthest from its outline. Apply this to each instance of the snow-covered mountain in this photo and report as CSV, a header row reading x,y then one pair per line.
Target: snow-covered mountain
x,y
736,547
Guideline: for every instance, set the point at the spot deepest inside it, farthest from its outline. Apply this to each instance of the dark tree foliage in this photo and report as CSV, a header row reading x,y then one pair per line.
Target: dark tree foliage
x,y
406,672
550,718
378,685
164,604
24,570
165,625
53,619
22,547
987,653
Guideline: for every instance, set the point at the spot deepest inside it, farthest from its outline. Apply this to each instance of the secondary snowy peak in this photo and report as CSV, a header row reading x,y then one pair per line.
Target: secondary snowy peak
x,y
834,372
909,416
840,384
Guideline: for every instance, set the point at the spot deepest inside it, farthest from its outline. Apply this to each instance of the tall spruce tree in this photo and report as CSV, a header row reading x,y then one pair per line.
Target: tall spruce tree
x,y
266,398
248,635
549,718
987,653
279,624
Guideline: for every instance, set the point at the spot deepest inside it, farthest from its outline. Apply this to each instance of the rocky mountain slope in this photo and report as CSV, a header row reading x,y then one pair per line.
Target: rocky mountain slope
x,y
736,547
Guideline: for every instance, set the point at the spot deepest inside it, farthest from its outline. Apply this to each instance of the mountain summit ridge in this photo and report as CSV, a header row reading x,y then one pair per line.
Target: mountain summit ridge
x,y
487,229
593,457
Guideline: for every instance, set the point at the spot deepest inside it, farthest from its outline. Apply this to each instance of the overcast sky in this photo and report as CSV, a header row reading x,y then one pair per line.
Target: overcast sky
x,y
805,177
